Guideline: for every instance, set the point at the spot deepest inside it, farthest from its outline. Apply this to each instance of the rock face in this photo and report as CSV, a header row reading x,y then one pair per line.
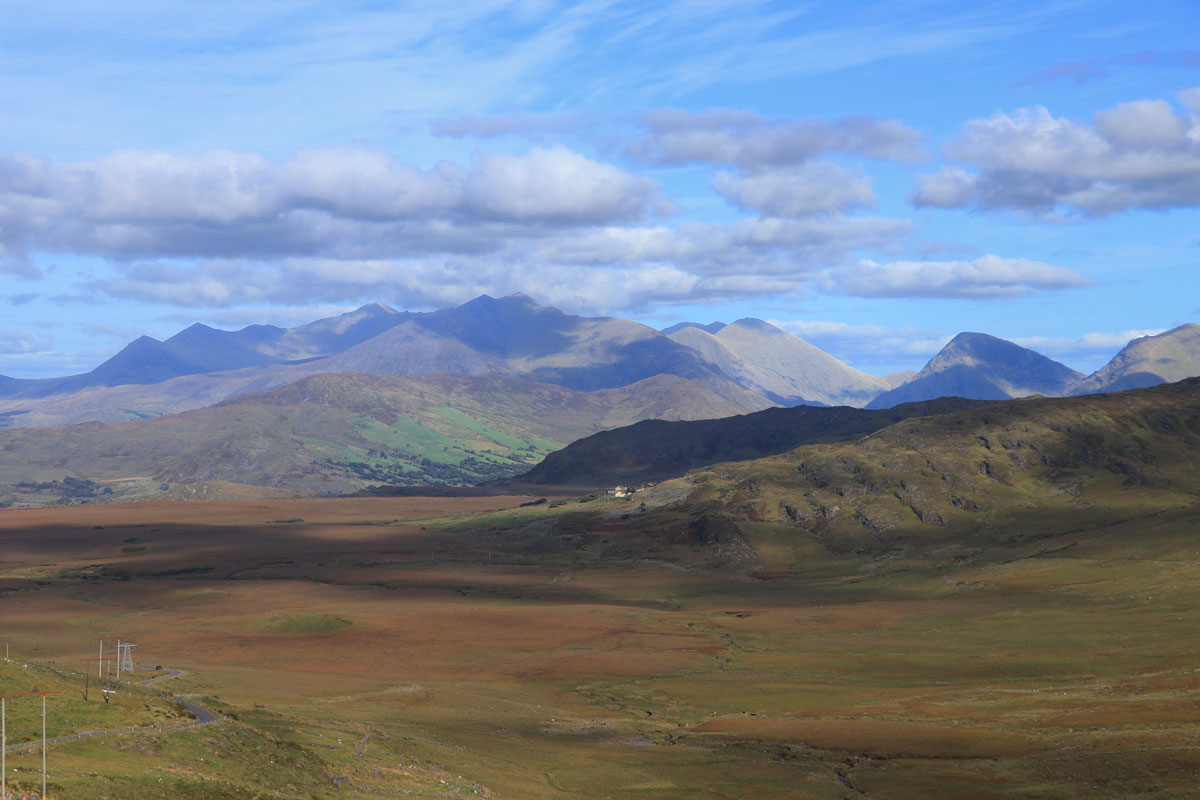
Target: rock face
x,y
982,367
784,367
1148,361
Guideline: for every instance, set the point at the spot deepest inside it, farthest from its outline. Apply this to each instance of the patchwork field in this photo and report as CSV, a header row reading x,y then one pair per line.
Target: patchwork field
x,y
470,647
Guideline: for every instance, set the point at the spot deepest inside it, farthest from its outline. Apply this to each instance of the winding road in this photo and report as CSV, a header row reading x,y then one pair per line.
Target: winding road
x,y
202,714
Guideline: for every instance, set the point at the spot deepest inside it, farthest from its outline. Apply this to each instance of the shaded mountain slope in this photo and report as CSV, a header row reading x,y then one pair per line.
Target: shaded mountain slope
x,y
656,449
1021,468
783,366
334,433
982,367
1148,361
331,335
548,345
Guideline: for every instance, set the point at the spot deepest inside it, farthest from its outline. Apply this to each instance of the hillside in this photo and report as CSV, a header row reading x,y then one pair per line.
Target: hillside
x,y
982,367
782,366
1148,361
1009,467
657,449
331,434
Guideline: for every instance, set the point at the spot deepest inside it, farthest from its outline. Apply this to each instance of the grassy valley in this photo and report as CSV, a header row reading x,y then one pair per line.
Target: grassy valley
x,y
993,603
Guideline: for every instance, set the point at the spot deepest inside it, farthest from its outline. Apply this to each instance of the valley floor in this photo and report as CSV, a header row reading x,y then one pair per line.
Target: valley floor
x,y
473,648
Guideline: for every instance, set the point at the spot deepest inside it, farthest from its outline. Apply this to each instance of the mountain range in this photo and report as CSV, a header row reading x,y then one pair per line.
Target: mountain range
x,y
750,363
482,392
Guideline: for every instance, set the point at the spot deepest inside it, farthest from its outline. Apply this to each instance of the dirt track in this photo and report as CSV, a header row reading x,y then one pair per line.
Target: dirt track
x,y
203,717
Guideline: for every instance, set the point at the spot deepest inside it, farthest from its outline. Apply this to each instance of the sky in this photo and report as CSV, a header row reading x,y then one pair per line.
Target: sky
x,y
872,176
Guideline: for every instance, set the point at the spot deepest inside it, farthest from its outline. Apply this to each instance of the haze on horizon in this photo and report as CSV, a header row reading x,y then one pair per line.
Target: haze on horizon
x,y
872,177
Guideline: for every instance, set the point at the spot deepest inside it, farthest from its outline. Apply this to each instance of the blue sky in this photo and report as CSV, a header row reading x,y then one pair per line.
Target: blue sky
x,y
875,177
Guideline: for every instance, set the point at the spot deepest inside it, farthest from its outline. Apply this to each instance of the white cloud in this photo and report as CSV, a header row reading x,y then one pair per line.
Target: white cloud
x,y
987,277
795,248
750,141
1087,346
352,201
1142,154
801,191
341,225
414,283
557,186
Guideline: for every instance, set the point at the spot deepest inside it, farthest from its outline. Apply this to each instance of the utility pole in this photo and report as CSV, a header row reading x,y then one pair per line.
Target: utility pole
x,y
101,660
4,740
43,694
3,747
87,673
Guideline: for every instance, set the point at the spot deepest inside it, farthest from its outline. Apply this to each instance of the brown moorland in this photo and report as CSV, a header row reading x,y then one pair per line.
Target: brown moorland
x,y
470,647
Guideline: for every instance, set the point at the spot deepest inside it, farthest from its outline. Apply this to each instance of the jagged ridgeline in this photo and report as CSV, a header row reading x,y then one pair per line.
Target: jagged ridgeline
x,y
1018,469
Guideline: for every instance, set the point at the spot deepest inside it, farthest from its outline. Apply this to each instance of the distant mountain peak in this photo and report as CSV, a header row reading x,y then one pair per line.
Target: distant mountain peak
x,y
983,367
975,337
375,308
756,324
197,326
711,327
1148,360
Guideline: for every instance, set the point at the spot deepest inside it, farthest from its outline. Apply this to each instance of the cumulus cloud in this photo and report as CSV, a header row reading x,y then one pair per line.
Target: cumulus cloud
x,y
1087,346
750,141
988,277
349,201
761,246
421,283
811,188
1142,154
598,268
